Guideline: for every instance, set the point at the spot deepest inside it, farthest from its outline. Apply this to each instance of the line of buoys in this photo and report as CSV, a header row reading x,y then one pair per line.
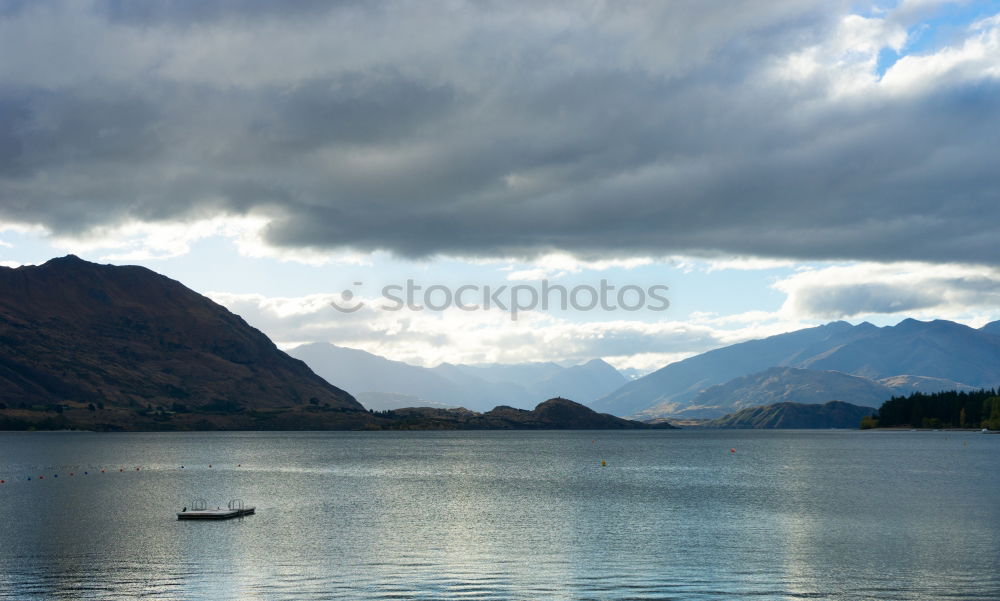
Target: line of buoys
x,y
103,471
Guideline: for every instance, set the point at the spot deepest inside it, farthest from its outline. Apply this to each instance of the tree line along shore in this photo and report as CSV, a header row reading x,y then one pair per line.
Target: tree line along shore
x,y
948,409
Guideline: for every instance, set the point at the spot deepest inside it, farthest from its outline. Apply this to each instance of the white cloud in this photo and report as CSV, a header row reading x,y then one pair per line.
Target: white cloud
x,y
429,337
845,61
137,240
976,58
555,265
21,228
748,264
951,291
538,273
645,362
965,293
142,241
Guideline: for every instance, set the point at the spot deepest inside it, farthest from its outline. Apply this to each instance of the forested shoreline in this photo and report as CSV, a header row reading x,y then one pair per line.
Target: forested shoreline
x,y
948,409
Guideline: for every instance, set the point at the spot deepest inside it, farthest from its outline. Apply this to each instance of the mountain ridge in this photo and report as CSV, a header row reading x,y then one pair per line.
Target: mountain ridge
x,y
938,351
677,382
784,384
105,347
72,331
788,415
476,387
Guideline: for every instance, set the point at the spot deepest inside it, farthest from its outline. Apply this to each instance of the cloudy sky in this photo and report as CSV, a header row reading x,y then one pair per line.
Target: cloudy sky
x,y
776,164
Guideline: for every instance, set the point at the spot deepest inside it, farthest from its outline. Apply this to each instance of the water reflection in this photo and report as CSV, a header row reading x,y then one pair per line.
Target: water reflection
x,y
506,516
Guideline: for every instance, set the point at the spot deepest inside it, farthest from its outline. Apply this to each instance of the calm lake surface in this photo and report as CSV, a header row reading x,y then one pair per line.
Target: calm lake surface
x,y
503,515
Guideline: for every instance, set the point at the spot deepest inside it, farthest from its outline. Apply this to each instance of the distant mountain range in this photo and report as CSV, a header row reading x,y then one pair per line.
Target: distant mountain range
x,y
864,365
784,385
382,383
795,385
833,414
387,401
912,355
106,347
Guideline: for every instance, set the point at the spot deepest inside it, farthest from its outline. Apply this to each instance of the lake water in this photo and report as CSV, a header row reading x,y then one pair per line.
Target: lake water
x,y
503,515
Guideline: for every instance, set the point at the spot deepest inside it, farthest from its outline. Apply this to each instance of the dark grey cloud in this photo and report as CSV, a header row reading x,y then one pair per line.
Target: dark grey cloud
x,y
352,109
495,129
187,12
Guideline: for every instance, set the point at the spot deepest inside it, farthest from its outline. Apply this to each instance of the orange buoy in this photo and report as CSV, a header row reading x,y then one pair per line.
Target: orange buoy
x,y
732,450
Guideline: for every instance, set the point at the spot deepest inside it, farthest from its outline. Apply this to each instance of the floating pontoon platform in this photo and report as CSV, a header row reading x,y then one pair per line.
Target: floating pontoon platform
x,y
198,511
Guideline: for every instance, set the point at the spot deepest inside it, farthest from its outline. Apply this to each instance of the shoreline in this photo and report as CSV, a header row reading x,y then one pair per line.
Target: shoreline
x,y
905,429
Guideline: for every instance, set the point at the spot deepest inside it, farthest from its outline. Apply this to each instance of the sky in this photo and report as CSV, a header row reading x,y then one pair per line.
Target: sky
x,y
767,165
